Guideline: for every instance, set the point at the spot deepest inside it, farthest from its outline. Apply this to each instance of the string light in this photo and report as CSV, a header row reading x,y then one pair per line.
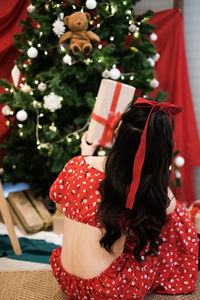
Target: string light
x,y
31,93
100,46
131,77
36,81
122,77
69,140
98,25
41,115
20,125
30,43
112,38
24,65
45,52
21,133
99,60
6,89
23,78
41,33
39,45
21,84
74,6
77,136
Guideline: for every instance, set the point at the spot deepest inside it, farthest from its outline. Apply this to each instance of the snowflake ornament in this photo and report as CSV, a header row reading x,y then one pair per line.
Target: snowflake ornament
x,y
52,102
58,27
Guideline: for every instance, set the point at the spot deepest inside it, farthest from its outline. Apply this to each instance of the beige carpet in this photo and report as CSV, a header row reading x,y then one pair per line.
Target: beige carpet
x,y
41,285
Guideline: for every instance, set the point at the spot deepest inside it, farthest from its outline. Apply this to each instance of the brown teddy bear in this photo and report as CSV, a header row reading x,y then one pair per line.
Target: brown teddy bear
x,y
80,37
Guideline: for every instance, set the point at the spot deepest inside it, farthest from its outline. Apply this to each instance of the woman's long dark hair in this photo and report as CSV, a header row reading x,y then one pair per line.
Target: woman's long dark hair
x,y
148,215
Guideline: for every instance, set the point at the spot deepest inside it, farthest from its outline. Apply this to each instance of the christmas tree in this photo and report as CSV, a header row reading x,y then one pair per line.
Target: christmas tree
x,y
50,109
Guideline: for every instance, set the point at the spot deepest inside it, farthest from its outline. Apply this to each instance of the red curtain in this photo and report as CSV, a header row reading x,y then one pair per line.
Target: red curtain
x,y
11,12
171,72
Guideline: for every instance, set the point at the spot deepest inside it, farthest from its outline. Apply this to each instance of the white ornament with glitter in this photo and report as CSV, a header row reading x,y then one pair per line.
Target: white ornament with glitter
x,y
25,88
151,61
115,73
31,9
32,52
154,83
21,115
106,74
67,59
132,28
6,110
91,4
58,27
42,87
15,74
153,36
52,102
179,161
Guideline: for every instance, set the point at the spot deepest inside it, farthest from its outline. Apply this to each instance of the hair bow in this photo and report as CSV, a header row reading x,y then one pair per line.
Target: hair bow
x,y
170,110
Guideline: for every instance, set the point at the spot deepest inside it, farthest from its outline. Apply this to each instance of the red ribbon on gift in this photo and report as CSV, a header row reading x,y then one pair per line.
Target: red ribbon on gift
x,y
110,122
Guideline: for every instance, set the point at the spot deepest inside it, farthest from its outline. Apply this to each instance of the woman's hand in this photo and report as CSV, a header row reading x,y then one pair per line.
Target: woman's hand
x,y
88,149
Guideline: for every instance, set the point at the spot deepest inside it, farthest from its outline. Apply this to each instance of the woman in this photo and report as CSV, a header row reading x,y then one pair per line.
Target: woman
x,y
125,235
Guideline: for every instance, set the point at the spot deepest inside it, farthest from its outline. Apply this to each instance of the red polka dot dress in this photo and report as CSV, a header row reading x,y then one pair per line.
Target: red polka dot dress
x,y
173,271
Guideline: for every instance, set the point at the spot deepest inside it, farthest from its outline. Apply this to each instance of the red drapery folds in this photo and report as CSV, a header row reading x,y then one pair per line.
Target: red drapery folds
x,y
11,12
171,72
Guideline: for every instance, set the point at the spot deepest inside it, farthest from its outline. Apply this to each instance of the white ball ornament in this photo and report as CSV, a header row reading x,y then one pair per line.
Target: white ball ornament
x,y
31,9
153,36
154,83
91,4
42,87
25,88
156,57
106,74
32,52
67,59
6,110
132,28
177,174
151,61
21,115
115,74
179,161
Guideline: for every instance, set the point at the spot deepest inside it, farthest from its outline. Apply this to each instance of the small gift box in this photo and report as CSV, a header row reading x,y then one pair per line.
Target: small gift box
x,y
112,99
194,212
29,213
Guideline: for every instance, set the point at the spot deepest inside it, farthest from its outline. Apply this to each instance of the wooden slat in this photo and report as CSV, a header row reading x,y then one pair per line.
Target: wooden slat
x,y
178,4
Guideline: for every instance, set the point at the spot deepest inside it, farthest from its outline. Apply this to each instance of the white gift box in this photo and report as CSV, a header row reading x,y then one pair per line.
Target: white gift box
x,y
112,99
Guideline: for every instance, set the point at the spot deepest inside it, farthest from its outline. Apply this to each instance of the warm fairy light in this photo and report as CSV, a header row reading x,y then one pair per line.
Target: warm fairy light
x,y
122,77
20,125
40,126
69,140
23,78
24,65
98,25
74,6
21,133
41,115
77,136
100,46
132,77
30,43
45,52
36,81
21,84
39,45
99,60
112,38
31,93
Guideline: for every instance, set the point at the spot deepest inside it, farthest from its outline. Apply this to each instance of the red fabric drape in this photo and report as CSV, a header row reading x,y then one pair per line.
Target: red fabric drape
x,y
11,12
171,72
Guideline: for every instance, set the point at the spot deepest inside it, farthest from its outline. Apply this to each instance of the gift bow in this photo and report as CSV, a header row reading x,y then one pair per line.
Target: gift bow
x,y
109,124
170,110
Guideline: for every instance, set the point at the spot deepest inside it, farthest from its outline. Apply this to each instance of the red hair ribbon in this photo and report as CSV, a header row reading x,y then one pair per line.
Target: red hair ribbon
x,y
170,110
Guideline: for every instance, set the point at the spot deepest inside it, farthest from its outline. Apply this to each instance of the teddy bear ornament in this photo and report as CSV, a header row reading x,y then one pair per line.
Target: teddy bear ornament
x,y
80,38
